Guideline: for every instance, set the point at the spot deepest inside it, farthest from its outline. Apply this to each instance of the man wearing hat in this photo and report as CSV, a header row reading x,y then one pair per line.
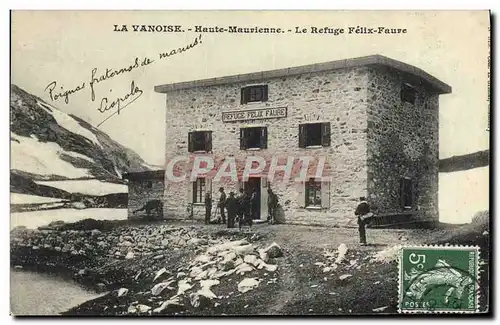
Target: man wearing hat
x,y
363,213
232,209
222,204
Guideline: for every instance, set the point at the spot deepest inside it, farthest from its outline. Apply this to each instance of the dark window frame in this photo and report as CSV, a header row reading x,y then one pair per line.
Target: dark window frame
x,y
199,189
408,93
315,186
323,139
195,146
254,94
244,137
406,193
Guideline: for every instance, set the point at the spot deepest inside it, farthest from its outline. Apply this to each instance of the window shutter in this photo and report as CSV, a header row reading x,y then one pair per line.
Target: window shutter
x,y
264,138
243,144
302,136
301,194
325,195
208,185
402,192
242,101
411,194
190,186
208,141
264,93
190,142
325,133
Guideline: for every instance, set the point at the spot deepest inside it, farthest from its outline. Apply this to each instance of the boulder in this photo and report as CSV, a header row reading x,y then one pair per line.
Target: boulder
x,y
248,284
243,268
197,241
273,251
158,288
243,250
171,302
183,286
122,292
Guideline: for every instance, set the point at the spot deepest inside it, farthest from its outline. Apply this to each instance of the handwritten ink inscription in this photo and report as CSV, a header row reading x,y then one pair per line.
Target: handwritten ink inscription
x,y
108,104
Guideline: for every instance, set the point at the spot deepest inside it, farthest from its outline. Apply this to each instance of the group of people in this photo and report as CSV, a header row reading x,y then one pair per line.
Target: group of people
x,y
243,208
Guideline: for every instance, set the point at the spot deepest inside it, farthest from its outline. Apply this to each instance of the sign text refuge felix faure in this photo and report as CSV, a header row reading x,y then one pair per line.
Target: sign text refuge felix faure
x,y
254,114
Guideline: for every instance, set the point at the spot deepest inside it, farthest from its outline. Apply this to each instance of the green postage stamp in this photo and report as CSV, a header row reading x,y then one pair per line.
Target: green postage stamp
x,y
434,279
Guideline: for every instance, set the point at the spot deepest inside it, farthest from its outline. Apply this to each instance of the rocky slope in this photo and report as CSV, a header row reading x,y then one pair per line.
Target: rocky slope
x,y
82,151
49,145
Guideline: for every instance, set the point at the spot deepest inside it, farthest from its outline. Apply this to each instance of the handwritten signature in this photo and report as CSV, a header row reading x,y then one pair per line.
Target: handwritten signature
x,y
121,102
58,92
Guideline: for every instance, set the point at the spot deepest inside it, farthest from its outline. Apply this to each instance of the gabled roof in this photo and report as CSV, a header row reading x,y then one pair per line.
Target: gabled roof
x,y
433,83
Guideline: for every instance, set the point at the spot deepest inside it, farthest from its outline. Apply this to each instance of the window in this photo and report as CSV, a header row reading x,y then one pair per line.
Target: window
x,y
254,137
254,94
200,141
406,193
313,193
408,93
199,190
149,184
316,134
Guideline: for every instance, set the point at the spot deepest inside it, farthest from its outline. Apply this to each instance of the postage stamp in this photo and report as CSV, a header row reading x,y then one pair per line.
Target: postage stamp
x,y
434,279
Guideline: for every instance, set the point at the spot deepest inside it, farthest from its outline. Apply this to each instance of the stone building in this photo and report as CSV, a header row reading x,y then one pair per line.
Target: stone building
x,y
144,187
374,119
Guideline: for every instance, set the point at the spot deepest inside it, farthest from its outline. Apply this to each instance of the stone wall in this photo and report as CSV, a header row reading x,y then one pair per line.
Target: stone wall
x,y
337,96
139,193
403,141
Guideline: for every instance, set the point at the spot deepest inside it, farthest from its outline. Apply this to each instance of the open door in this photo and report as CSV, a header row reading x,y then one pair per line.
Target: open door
x,y
263,198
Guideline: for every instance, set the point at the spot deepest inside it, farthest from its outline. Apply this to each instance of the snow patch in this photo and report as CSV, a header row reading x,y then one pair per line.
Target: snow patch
x,y
88,187
117,172
34,219
17,198
42,158
70,124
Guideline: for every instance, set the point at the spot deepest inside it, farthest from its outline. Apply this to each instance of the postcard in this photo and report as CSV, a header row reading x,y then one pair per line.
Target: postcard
x,y
257,163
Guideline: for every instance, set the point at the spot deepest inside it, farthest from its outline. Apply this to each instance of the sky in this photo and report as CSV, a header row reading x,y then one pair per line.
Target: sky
x,y
66,46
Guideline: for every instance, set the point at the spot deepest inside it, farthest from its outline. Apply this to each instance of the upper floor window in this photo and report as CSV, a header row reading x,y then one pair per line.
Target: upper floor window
x,y
200,141
254,94
253,138
408,93
314,134
406,193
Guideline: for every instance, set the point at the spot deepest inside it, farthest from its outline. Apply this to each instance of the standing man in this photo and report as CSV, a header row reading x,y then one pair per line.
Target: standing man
x,y
241,205
208,207
254,204
272,204
232,209
362,212
222,204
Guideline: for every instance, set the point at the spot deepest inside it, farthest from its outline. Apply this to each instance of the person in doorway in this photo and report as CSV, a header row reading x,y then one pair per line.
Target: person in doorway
x,y
272,205
232,209
254,204
245,217
222,204
363,213
208,207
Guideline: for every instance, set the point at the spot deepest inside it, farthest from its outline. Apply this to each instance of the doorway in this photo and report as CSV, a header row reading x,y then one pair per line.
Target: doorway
x,y
249,186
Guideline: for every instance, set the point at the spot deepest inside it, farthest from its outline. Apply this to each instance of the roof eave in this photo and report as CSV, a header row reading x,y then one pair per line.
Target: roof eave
x,y
437,85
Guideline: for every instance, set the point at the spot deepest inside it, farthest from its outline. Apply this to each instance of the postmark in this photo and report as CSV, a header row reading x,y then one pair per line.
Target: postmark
x,y
439,279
